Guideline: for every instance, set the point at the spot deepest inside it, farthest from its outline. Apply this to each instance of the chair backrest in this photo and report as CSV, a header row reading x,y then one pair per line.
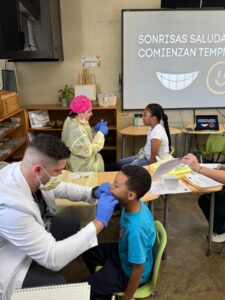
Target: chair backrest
x,y
159,246
215,143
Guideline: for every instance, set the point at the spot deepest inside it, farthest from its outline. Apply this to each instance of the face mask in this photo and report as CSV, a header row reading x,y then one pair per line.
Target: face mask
x,y
53,182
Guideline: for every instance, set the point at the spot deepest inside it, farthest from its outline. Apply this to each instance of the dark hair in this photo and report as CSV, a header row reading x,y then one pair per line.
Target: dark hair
x,y
71,114
139,179
158,112
50,146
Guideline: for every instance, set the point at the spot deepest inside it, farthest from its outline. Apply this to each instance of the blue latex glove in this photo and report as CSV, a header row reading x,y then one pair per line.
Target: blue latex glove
x,y
104,128
105,208
103,188
97,126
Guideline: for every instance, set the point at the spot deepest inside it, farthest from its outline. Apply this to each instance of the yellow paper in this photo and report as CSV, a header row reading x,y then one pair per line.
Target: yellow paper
x,y
179,170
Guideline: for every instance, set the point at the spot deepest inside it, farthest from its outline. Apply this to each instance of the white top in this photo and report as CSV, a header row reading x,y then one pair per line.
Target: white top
x,y
22,231
158,132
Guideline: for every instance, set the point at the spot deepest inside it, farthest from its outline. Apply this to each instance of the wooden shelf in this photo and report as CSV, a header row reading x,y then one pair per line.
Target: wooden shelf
x,y
13,139
11,114
57,112
9,131
46,129
109,148
12,149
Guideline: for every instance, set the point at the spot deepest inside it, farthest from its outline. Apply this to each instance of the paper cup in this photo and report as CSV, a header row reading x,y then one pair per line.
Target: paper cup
x,y
170,182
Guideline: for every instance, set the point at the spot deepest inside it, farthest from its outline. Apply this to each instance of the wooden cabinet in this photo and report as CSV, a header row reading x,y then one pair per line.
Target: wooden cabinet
x,y
59,113
13,136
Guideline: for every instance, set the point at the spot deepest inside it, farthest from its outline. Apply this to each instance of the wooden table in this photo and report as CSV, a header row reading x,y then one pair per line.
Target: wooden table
x,y
100,177
95,179
189,131
109,177
140,131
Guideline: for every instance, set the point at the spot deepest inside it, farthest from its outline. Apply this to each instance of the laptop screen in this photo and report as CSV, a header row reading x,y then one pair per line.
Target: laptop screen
x,y
206,122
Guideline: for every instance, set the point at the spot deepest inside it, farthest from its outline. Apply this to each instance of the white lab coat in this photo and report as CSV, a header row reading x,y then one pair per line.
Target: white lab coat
x,y
22,231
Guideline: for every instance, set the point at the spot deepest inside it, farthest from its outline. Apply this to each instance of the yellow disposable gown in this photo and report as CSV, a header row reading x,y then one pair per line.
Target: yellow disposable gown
x,y
84,146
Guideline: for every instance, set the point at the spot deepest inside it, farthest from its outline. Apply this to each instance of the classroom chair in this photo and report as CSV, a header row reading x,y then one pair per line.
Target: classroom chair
x,y
160,243
215,145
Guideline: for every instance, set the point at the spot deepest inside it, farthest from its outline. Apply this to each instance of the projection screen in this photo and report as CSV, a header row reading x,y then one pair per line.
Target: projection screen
x,y
173,57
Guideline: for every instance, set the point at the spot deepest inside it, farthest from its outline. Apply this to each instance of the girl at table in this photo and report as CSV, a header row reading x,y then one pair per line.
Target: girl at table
x,y
217,174
83,142
158,139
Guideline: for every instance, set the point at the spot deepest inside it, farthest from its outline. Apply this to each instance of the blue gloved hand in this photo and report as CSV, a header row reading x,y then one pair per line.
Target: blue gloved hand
x,y
103,188
97,126
105,208
103,128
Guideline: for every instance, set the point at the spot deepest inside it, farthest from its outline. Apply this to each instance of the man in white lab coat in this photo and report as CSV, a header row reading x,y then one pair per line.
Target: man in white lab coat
x,y
34,242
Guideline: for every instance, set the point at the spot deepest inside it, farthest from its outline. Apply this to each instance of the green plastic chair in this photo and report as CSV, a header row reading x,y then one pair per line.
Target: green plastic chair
x,y
215,145
160,243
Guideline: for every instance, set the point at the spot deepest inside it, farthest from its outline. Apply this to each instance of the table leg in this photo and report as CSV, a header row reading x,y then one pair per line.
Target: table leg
x,y
187,143
175,145
211,222
123,145
166,216
196,140
151,204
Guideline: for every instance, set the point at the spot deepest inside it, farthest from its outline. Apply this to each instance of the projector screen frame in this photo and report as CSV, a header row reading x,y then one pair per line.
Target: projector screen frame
x,y
121,79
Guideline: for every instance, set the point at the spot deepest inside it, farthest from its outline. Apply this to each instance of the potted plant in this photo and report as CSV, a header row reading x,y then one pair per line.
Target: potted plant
x,y
66,95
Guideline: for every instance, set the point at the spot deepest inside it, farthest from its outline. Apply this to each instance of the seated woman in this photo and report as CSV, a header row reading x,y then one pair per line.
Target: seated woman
x,y
158,139
78,136
217,174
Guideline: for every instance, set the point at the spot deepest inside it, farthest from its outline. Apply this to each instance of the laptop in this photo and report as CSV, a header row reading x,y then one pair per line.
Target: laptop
x,y
206,122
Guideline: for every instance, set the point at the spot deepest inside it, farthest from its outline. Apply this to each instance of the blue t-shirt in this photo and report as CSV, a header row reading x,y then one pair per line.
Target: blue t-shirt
x,y
137,237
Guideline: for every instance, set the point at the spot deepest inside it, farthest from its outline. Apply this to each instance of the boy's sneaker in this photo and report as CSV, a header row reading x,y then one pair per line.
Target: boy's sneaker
x,y
218,238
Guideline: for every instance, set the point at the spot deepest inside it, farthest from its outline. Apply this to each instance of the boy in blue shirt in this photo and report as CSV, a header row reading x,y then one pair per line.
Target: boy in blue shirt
x,y
128,263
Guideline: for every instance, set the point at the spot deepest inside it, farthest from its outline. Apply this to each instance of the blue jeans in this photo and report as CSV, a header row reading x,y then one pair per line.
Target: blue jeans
x,y
134,161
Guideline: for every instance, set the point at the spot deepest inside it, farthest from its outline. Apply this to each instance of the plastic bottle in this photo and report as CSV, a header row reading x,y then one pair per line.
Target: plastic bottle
x,y
135,119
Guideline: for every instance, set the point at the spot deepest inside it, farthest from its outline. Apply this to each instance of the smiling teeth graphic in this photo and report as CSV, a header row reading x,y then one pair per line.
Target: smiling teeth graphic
x,y
177,82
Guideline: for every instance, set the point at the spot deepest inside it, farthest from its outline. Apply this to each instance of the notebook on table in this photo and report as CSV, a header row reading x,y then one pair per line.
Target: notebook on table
x,y
206,122
76,291
200,181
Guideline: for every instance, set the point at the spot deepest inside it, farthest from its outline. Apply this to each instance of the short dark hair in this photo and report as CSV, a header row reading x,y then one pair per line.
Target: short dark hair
x,y
50,146
139,179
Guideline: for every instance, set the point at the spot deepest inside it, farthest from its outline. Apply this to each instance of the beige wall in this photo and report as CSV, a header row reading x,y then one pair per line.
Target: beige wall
x,y
89,27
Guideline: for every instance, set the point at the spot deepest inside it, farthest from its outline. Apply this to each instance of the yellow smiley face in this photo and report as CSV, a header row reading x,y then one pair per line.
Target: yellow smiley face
x,y
215,79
